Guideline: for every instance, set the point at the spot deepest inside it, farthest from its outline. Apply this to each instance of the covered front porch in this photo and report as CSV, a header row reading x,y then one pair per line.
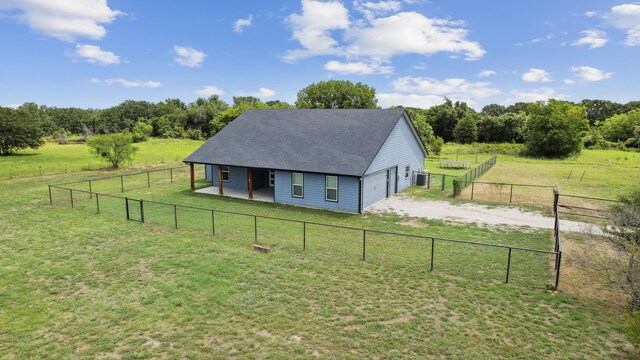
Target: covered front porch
x,y
263,194
238,182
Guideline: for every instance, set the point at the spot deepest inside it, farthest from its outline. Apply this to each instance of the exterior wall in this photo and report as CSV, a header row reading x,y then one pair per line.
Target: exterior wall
x,y
400,149
314,188
374,188
237,175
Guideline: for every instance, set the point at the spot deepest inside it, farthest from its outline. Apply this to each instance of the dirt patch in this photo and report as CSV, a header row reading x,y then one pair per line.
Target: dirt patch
x,y
412,223
400,319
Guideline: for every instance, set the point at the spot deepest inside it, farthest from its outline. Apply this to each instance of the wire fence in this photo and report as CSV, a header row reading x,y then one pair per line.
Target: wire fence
x,y
511,193
465,180
371,244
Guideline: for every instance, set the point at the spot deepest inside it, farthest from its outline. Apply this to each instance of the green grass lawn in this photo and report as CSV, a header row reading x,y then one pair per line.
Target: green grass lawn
x,y
607,174
53,158
77,284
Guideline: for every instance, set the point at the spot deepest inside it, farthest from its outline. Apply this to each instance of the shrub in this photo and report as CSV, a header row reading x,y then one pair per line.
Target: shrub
x,y
435,145
19,130
116,148
142,131
632,327
555,129
466,130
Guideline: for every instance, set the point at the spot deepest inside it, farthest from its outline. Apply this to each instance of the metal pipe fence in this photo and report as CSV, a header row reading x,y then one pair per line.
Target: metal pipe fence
x,y
149,211
463,181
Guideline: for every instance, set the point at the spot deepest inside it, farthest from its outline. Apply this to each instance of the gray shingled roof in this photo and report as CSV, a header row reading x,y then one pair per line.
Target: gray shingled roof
x,y
330,141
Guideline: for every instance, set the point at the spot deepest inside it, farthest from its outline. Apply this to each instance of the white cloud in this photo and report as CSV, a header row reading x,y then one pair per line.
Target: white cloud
x,y
588,73
386,100
593,38
539,94
359,68
426,92
410,33
95,55
536,75
486,73
568,81
240,24
64,19
189,57
13,106
590,13
127,83
626,17
312,28
375,38
209,90
264,92
372,9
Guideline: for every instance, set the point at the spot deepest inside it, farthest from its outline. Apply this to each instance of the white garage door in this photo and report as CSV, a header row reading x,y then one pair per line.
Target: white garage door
x,y
374,188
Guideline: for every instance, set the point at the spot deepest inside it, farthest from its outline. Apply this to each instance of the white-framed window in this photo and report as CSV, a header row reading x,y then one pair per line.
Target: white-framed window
x,y
407,171
297,185
226,175
331,188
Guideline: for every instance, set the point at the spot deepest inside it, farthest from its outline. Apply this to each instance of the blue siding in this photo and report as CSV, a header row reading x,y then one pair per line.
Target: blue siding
x,y
237,175
400,149
348,192
374,188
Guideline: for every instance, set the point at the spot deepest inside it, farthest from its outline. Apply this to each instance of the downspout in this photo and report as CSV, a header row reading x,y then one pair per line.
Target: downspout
x,y
360,204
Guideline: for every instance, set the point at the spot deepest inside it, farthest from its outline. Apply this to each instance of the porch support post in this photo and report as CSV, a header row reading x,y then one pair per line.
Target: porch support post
x,y
220,182
193,180
250,182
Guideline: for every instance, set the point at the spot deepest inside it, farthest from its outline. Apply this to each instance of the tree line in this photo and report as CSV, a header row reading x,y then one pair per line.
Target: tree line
x,y
554,128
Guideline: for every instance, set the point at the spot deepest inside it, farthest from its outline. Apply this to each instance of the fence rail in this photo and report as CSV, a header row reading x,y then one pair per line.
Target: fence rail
x,y
463,181
134,209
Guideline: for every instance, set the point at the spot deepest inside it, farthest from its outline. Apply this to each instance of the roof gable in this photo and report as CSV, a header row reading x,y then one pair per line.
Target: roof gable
x,y
332,141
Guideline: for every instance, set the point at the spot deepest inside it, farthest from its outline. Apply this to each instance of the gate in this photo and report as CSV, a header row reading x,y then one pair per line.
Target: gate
x,y
135,210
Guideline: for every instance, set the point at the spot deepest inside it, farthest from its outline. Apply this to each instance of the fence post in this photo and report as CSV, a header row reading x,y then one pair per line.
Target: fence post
x,y
171,171
364,243
126,202
443,182
511,194
97,203
508,266
472,187
71,196
90,190
175,215
121,183
255,228
50,198
428,180
433,242
142,211
304,236
558,269
148,180
213,222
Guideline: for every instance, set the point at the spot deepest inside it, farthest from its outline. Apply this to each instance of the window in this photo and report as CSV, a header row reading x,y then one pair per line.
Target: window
x,y
297,185
331,188
407,171
225,174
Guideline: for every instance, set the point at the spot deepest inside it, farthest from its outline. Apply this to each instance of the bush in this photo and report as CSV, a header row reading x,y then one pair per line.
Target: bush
x,y
19,129
466,130
116,148
142,131
632,327
621,127
435,145
555,129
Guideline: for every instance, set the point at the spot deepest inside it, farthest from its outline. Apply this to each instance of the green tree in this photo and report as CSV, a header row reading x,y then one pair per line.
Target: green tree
x,y
435,145
337,94
599,110
141,131
621,127
494,110
116,149
506,128
555,129
223,118
444,117
19,129
201,112
466,130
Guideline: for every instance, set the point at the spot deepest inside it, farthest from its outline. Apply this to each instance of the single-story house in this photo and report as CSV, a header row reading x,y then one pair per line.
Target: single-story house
x,y
336,159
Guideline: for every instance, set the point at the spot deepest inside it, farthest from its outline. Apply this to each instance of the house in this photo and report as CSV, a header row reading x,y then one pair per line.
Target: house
x,y
336,159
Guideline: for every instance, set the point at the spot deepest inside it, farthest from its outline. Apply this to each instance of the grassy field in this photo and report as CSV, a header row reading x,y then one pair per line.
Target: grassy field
x,y
78,284
53,158
607,174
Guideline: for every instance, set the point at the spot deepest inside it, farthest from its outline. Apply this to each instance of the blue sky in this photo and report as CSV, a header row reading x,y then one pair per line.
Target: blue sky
x,y
97,53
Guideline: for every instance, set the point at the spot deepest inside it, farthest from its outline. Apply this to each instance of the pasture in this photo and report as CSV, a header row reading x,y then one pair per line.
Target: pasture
x,y
79,284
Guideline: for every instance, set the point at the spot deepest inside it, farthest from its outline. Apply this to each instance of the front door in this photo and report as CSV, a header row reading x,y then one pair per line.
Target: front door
x,y
272,178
